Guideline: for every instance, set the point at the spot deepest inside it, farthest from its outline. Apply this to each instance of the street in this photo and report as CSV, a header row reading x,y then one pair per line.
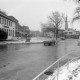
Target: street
x,y
25,61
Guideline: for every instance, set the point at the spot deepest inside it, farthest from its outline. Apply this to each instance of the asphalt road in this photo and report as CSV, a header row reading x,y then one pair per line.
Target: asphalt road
x,y
24,62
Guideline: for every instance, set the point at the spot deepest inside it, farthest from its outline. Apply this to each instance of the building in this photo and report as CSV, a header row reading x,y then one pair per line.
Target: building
x,y
71,33
8,24
22,31
36,33
25,31
50,34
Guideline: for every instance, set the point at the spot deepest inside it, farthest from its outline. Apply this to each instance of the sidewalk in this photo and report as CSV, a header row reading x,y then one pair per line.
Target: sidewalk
x,y
69,71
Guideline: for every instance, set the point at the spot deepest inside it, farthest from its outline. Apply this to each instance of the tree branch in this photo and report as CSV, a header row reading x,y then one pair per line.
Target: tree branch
x,y
52,20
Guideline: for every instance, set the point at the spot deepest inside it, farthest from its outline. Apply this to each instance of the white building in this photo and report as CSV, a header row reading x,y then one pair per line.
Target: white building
x,y
7,24
70,33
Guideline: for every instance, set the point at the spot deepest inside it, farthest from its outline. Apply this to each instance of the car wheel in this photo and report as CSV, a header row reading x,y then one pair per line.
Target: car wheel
x,y
45,44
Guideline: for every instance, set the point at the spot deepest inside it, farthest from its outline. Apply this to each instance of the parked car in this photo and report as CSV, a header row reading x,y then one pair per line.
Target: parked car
x,y
62,38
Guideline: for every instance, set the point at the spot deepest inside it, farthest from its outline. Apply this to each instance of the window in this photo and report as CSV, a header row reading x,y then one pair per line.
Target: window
x,y
70,32
9,23
9,32
0,19
13,33
65,32
5,21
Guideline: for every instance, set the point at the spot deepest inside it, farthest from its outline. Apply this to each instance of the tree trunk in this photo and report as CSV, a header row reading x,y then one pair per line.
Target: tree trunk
x,y
56,32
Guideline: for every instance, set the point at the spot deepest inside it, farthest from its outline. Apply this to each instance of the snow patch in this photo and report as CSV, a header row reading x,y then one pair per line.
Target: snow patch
x,y
67,72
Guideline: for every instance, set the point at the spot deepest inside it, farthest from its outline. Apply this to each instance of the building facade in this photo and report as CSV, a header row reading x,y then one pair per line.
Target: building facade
x,y
71,33
22,31
36,33
8,24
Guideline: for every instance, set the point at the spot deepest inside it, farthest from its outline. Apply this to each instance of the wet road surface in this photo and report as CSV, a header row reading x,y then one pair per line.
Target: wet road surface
x,y
24,62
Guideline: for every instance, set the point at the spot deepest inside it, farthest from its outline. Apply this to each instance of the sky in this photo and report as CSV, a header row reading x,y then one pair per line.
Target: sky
x,y
34,12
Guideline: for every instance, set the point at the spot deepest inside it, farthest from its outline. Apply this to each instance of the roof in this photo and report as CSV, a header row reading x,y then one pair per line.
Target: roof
x,y
8,17
13,18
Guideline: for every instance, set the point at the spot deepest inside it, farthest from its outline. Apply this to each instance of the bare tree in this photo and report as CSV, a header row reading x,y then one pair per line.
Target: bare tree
x,y
77,11
47,27
77,14
77,1
56,19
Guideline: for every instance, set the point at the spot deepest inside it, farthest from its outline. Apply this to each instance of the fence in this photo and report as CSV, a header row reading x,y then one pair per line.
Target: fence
x,y
56,65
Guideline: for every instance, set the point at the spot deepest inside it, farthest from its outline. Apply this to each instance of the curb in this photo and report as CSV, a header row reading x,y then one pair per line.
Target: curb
x,y
22,43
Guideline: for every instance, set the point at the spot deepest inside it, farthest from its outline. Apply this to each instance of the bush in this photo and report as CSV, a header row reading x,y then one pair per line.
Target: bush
x,y
3,35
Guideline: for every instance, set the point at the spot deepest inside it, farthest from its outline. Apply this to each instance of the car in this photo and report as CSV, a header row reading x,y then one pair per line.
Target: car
x,y
49,42
62,38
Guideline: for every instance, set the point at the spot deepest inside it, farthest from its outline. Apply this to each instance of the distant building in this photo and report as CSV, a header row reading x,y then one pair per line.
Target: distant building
x,y
25,31
50,34
35,33
21,31
71,33
61,33
8,24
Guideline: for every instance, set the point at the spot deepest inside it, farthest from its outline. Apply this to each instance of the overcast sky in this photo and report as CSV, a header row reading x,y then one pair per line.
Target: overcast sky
x,y
33,12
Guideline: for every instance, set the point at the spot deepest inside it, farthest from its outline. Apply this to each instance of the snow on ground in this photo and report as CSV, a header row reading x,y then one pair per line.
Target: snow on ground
x,y
33,40
24,40
67,72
